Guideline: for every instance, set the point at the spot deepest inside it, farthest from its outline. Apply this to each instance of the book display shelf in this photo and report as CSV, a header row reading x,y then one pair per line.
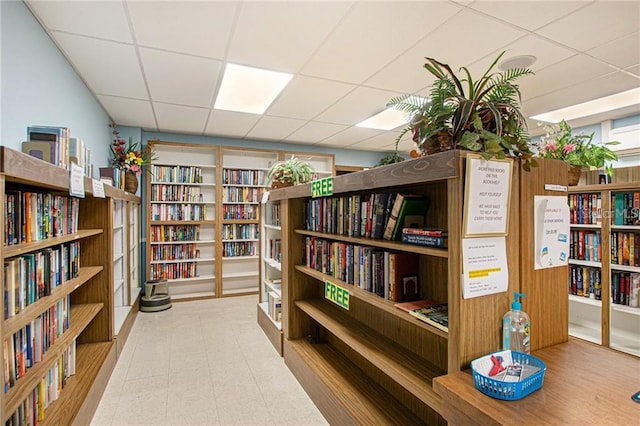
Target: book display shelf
x,y
58,324
181,218
368,350
270,300
604,280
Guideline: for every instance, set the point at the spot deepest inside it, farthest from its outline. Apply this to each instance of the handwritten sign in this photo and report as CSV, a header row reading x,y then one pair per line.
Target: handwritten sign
x,y
322,187
487,189
336,294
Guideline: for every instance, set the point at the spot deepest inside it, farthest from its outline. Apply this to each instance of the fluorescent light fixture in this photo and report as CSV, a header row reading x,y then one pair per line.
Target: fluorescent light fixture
x,y
388,119
596,106
251,90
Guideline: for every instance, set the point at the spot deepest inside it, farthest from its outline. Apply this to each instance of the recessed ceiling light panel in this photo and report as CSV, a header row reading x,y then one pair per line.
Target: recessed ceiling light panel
x,y
250,90
386,120
596,106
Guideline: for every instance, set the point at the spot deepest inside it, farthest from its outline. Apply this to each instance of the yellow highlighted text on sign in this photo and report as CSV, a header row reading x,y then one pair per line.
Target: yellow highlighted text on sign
x,y
483,272
337,294
322,187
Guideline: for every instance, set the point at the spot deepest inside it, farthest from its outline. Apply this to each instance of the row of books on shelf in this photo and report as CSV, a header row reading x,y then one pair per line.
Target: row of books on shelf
x,y
177,193
625,248
27,346
274,306
585,245
240,212
32,276
239,231
174,252
273,214
176,174
239,248
243,177
35,216
236,194
56,146
163,233
625,288
376,215
172,271
431,312
32,410
585,209
393,276
626,207
585,281
178,212
274,249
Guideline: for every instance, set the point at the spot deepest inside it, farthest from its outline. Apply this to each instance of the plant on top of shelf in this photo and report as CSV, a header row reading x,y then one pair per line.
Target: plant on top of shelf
x,y
579,150
480,115
289,172
128,156
391,158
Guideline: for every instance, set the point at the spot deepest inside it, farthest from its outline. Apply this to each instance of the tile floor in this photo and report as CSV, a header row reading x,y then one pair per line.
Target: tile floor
x,y
203,363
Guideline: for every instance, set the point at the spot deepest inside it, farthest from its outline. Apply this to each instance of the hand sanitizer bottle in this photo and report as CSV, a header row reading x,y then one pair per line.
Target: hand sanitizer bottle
x,y
515,327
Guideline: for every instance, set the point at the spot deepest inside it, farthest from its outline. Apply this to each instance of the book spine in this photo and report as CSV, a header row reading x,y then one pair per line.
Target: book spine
x,y
423,240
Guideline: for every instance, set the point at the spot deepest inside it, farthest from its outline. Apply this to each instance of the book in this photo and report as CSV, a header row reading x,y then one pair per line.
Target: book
x,y
429,232
416,304
379,215
43,150
424,240
408,212
403,277
436,316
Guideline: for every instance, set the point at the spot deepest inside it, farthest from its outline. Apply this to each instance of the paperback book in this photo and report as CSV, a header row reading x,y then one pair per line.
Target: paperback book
x,y
436,316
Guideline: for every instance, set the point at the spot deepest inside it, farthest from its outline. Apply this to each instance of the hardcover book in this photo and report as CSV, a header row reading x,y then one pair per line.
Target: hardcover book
x,y
424,240
411,207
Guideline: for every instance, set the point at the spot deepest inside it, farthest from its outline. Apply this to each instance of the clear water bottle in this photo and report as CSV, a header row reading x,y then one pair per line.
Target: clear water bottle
x,y
516,327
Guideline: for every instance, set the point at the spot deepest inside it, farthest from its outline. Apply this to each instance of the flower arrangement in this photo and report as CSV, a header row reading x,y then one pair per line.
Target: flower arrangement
x,y
128,156
578,150
289,172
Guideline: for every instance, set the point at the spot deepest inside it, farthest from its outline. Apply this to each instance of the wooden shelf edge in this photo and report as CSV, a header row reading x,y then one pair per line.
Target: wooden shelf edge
x,y
15,323
270,329
391,245
414,375
342,393
372,299
80,317
19,249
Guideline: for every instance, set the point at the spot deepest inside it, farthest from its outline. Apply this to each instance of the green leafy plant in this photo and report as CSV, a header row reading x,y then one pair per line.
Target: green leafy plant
x,y
480,115
290,172
391,158
578,150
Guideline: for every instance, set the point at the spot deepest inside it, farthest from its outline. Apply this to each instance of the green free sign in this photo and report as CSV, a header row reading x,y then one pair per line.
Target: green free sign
x,y
322,187
337,294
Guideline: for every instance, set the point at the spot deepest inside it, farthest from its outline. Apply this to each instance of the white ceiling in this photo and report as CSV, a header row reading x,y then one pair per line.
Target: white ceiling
x,y
158,64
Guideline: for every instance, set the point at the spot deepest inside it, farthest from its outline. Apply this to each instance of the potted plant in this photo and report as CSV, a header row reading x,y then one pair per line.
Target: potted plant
x,y
289,172
129,157
579,151
480,115
391,158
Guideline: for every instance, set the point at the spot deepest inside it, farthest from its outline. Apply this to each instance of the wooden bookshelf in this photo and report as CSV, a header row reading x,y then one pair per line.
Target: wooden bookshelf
x,y
391,355
91,309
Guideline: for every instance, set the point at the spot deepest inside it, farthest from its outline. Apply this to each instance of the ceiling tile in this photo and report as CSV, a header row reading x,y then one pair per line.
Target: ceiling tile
x,y
350,136
465,48
357,106
193,80
102,19
528,14
274,128
180,119
554,78
372,35
129,112
230,123
198,28
108,68
295,39
634,69
306,97
314,132
622,53
596,24
386,140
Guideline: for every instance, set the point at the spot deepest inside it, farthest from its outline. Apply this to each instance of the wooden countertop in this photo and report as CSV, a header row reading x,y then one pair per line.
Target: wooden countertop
x,y
584,384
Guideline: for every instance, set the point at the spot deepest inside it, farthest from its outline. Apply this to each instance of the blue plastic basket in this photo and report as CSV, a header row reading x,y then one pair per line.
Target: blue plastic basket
x,y
511,391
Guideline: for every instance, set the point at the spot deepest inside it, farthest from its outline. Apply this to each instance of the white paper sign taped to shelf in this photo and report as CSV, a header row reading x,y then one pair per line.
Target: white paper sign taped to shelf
x,y
484,266
76,181
97,188
551,221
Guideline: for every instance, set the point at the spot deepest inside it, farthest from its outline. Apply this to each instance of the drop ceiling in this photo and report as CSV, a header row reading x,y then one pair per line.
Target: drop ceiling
x,y
158,64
